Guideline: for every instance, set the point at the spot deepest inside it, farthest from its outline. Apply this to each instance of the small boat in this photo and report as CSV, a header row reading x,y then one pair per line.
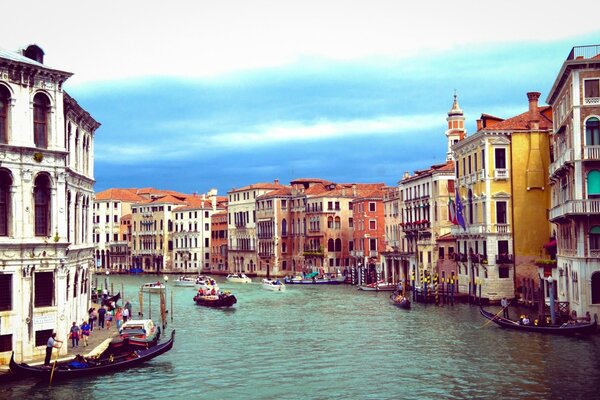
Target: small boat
x,y
82,366
379,287
225,299
152,287
312,279
563,329
273,284
238,278
135,333
185,280
206,283
399,300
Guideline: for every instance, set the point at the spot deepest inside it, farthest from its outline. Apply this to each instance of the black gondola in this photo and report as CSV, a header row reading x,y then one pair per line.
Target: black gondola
x,y
69,369
563,329
111,299
399,300
221,300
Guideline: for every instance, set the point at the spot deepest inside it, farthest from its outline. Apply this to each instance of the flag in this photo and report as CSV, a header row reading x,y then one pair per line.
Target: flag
x,y
452,211
459,212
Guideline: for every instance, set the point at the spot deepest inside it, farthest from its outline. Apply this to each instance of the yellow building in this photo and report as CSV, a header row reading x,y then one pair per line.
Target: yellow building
x,y
503,187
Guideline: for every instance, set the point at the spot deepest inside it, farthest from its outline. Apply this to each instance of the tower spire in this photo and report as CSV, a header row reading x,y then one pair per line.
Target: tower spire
x,y
456,126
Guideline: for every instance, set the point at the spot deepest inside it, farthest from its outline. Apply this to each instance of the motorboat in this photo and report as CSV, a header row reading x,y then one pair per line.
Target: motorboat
x,y
135,333
379,287
312,279
238,278
185,280
220,299
273,284
152,287
206,283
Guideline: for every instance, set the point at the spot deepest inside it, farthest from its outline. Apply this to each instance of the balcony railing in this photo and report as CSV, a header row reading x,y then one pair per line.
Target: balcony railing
x,y
583,52
500,173
591,152
565,158
504,259
481,175
575,207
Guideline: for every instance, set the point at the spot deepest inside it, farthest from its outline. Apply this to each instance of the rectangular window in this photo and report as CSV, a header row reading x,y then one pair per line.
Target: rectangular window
x,y
373,244
41,337
372,224
372,206
116,237
441,253
592,88
6,292
44,289
500,158
5,343
503,272
501,212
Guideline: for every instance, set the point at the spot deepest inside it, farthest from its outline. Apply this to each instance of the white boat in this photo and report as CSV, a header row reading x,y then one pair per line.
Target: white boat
x,y
273,284
152,287
238,278
185,280
379,287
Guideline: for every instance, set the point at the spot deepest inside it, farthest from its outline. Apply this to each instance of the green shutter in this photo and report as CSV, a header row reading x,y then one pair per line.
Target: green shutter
x,y
593,183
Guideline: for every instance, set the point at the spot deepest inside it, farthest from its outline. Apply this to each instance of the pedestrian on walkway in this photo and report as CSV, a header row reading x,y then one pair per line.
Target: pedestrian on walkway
x,y
129,313
93,315
108,318
85,332
51,344
74,335
125,313
101,315
119,317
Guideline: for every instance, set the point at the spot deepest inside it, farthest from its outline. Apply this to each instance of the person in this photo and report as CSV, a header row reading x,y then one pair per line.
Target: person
x,y
129,311
526,320
108,318
51,344
101,316
504,304
93,316
74,335
588,317
85,332
119,318
104,295
125,314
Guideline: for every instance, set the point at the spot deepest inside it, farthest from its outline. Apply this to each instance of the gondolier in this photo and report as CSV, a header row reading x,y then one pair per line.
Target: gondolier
x,y
52,343
504,304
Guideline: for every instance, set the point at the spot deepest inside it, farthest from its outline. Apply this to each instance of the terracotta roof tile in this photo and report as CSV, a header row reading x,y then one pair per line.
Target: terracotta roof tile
x,y
521,122
127,195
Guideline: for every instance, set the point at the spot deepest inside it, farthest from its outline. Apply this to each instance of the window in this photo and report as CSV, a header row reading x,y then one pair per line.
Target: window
x,y
501,212
596,288
372,224
41,337
372,207
5,343
4,104
44,289
500,158
593,183
592,132
5,183
594,235
5,292
41,194
441,253
41,109
592,91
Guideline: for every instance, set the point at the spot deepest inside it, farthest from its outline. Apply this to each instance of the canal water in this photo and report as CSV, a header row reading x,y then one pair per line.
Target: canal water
x,y
335,342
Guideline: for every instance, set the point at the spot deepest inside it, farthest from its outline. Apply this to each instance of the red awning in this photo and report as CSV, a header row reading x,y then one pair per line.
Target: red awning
x,y
551,243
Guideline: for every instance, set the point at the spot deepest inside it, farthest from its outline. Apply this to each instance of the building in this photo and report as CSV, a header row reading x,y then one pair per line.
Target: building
x,y
575,181
242,249
502,201
113,252
218,243
46,198
272,218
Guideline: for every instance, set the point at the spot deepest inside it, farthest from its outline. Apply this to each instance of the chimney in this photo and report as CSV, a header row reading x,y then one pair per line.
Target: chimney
x,y
534,121
276,181
34,52
479,125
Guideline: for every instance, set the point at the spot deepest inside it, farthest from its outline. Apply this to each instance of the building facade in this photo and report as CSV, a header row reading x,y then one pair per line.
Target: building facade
x,y
575,182
46,198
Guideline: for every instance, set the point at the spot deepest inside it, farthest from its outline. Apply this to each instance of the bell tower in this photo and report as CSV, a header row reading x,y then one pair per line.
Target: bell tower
x,y
456,126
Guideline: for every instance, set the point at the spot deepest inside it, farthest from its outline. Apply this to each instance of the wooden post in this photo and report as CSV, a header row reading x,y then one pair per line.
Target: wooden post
x,y
171,306
141,298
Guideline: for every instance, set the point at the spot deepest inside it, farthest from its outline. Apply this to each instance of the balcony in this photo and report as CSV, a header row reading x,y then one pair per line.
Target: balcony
x,y
500,174
479,259
565,158
501,228
591,153
481,175
575,208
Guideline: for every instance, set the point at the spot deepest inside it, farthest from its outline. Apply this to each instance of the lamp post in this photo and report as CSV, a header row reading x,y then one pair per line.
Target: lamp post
x,y
551,290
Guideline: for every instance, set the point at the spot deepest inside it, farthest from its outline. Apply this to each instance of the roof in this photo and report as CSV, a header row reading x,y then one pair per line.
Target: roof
x,y
446,237
18,57
284,191
521,121
448,166
262,185
127,195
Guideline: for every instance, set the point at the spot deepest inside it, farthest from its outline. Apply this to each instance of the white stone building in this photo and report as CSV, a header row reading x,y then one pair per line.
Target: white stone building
x,y
46,194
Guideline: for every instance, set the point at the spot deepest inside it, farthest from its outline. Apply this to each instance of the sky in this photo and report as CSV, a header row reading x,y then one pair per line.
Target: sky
x,y
194,95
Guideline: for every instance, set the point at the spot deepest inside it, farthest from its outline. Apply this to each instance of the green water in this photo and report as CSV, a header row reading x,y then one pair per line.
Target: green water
x,y
335,342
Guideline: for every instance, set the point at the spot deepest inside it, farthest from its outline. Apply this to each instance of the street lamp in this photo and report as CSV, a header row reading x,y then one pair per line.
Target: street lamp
x,y
551,289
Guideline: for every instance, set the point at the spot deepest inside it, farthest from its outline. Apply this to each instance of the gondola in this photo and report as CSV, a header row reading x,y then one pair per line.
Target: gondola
x,y
111,299
400,301
85,367
221,300
563,329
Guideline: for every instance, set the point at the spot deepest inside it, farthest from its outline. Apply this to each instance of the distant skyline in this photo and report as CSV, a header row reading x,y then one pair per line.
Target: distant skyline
x,y
205,95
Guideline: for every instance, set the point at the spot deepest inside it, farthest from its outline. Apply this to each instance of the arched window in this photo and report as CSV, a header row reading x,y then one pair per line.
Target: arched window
x,y
338,245
594,237
41,198
593,183
592,132
5,184
338,223
596,288
41,110
330,245
330,222
4,103
284,227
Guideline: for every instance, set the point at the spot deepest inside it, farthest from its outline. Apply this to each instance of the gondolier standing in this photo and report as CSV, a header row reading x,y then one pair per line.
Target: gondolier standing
x,y
504,304
52,343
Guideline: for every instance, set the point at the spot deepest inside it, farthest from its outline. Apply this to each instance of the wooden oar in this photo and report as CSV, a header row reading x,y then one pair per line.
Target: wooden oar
x,y
493,318
54,365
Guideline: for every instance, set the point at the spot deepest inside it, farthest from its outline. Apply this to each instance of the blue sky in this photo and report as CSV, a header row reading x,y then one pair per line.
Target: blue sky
x,y
204,95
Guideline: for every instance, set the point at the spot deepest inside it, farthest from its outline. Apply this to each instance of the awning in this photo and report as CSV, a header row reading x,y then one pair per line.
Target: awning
x,y
551,243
